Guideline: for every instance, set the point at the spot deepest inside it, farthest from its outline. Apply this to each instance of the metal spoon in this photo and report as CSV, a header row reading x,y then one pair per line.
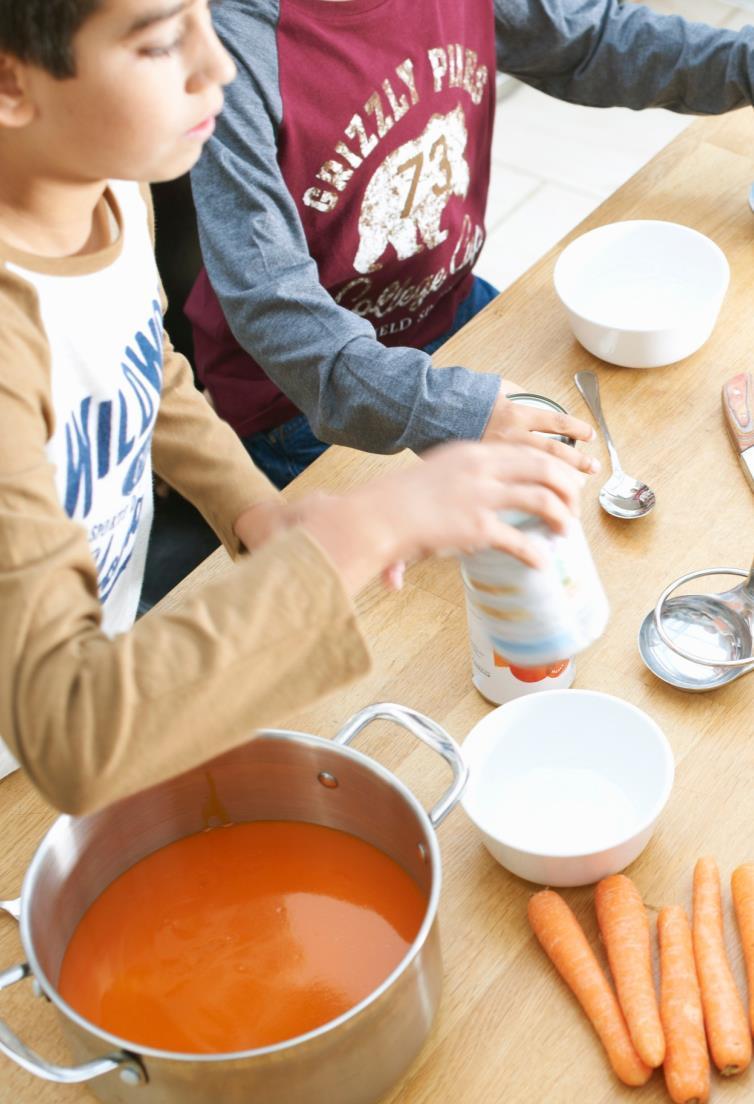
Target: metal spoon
x,y
701,641
622,496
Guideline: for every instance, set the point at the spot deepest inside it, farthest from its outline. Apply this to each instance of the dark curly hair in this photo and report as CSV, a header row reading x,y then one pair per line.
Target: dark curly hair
x,y
41,31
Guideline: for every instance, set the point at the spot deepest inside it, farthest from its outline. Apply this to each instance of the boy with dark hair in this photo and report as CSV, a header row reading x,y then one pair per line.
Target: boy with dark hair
x,y
95,98
41,32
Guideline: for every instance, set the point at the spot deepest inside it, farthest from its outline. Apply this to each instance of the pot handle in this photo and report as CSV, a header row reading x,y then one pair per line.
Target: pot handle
x,y
425,730
131,1070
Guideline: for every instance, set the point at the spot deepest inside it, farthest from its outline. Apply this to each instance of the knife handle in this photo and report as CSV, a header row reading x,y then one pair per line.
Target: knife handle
x,y
738,407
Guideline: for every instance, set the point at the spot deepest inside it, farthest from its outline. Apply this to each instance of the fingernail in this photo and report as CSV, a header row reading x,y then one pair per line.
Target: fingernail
x,y
594,465
592,434
395,574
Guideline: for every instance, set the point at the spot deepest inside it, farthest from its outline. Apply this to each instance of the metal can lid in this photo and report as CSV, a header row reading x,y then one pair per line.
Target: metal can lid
x,y
543,403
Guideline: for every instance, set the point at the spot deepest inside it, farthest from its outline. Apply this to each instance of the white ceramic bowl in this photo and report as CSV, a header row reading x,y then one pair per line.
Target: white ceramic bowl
x,y
565,787
641,294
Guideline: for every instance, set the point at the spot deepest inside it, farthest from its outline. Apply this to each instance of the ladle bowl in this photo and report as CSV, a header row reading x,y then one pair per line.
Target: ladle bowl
x,y
700,642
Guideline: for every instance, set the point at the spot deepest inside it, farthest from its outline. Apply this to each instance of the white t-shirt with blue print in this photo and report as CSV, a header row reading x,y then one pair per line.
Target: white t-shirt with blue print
x,y
103,327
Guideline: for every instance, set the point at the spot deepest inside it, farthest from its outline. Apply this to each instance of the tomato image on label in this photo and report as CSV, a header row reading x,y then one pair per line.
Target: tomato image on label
x,y
529,674
532,674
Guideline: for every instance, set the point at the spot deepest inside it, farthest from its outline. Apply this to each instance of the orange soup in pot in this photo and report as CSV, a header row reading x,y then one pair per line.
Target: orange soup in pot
x,y
241,937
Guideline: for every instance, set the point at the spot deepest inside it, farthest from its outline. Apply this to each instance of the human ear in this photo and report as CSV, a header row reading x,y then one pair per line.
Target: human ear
x,y
16,105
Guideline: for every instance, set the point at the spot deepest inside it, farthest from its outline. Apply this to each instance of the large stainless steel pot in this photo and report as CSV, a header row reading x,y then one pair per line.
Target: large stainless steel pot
x,y
277,775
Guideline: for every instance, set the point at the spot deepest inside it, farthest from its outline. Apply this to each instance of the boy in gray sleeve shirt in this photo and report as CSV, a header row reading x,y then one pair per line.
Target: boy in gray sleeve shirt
x,y
341,200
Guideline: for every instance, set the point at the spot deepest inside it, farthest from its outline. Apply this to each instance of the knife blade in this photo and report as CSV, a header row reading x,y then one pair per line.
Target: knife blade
x,y
738,408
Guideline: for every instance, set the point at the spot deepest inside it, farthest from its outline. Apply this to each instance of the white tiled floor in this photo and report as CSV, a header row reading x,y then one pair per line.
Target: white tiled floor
x,y
553,163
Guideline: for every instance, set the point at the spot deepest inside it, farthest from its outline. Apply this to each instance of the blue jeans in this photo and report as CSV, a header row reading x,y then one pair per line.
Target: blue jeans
x,y
284,452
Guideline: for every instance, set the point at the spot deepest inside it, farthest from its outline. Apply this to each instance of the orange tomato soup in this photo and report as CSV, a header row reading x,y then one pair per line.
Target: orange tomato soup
x,y
240,937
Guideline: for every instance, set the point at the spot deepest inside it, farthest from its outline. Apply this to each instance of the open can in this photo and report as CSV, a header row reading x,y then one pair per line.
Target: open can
x,y
541,402
525,626
499,679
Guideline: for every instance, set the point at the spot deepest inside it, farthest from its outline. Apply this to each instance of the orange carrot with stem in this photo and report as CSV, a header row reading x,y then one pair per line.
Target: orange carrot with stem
x,y
624,927
724,1017
686,1068
742,887
563,939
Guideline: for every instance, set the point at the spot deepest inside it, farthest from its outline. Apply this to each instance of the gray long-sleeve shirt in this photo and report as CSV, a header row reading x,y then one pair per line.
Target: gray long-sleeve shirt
x,y
279,262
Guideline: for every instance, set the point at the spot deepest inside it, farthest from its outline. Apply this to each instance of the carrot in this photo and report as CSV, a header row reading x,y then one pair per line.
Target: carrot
x,y
724,1017
686,1068
563,939
742,886
624,927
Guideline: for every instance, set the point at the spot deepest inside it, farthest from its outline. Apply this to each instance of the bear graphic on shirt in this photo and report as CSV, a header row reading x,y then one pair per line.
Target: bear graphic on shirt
x,y
404,201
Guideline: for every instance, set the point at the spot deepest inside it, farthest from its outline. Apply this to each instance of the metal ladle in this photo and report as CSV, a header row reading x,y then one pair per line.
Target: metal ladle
x,y
698,642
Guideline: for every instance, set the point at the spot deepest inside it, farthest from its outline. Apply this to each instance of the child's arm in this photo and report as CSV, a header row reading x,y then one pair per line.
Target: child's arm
x,y
93,719
605,53
202,458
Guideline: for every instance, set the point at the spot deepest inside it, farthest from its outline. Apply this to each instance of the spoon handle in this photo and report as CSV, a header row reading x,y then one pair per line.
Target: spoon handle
x,y
590,391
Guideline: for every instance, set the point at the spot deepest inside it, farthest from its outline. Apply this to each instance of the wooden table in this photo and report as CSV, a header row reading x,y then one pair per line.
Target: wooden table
x,y
507,1029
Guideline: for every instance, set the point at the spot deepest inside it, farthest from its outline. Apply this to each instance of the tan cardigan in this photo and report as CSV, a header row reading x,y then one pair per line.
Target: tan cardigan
x,y
90,718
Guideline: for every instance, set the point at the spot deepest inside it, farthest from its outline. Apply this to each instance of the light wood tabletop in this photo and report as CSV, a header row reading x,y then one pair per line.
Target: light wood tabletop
x,y
507,1029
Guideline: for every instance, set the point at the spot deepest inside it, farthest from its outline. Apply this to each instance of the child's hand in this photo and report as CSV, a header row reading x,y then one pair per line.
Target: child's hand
x,y
509,418
449,502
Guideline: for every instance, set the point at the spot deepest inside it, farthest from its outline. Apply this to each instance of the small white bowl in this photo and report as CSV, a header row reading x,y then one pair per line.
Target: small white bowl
x,y
643,293
565,787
